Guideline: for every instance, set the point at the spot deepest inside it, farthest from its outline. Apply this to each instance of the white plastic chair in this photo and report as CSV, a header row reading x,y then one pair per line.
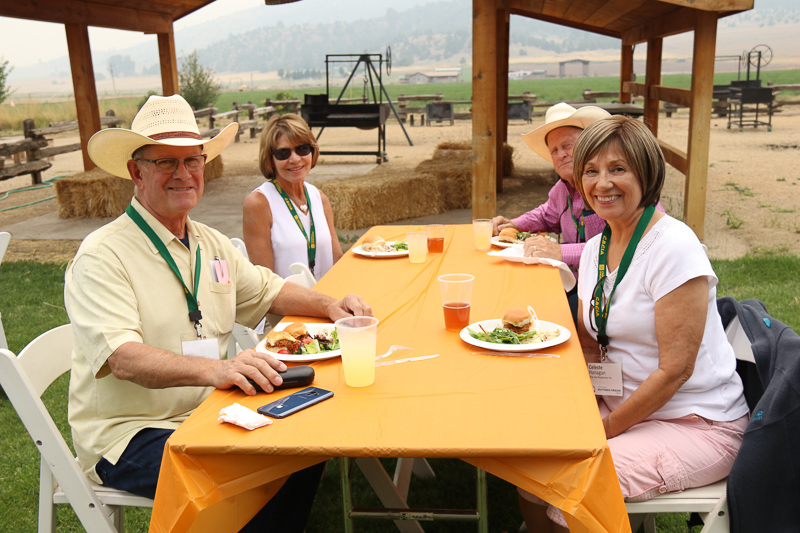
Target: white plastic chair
x,y
242,337
61,480
301,275
5,237
239,244
711,501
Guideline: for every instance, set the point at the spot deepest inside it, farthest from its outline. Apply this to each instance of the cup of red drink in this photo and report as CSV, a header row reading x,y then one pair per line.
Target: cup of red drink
x,y
456,300
435,238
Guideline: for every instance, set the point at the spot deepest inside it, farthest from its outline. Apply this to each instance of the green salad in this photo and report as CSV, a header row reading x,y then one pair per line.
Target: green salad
x,y
400,245
324,341
506,336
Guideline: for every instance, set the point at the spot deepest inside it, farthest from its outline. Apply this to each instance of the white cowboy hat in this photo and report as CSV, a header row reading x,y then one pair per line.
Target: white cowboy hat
x,y
558,116
162,120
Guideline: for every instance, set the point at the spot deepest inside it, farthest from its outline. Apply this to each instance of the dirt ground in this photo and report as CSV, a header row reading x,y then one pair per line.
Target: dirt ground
x,y
753,190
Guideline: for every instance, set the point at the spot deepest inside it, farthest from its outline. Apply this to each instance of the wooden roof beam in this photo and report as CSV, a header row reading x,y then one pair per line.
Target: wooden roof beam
x,y
714,5
560,22
679,21
89,14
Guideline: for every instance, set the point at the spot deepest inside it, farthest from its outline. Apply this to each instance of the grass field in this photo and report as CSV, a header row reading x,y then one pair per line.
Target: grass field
x,y
31,302
547,90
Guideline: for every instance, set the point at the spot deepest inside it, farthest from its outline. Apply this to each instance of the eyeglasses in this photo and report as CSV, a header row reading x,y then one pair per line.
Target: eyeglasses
x,y
167,166
282,154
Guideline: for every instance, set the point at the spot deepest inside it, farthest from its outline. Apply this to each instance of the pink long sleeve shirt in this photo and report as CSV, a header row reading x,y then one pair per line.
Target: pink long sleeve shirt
x,y
554,217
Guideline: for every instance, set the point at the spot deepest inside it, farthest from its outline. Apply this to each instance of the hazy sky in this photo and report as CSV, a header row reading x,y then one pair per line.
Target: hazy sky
x,y
25,42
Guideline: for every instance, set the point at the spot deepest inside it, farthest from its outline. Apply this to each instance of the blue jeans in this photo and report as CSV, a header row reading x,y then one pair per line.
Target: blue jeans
x,y
138,467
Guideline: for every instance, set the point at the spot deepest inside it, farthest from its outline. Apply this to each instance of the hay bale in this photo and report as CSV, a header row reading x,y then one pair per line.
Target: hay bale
x,y
383,195
95,193
213,169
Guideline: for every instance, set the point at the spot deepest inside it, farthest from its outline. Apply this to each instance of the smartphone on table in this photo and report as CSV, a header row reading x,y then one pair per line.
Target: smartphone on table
x,y
295,402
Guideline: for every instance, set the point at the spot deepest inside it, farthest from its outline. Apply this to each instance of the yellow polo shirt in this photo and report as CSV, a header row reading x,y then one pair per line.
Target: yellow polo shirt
x,y
119,289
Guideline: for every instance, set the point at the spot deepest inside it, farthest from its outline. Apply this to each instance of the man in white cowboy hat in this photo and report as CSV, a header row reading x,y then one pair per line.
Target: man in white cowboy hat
x,y
564,212
152,298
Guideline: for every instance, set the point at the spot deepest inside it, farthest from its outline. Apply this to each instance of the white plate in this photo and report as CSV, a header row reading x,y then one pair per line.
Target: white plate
x,y
313,328
489,325
397,253
497,242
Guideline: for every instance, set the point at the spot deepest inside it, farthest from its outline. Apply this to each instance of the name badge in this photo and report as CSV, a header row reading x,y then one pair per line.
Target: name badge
x,y
606,378
207,348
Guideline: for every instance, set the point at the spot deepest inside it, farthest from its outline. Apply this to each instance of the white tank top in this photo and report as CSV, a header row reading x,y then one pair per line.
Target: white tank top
x,y
288,244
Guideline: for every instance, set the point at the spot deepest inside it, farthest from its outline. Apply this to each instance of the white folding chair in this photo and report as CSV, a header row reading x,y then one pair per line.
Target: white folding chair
x,y
5,237
242,337
61,480
239,244
301,275
711,501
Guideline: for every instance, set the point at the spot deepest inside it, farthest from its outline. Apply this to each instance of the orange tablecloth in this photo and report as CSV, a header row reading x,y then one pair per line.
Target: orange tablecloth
x,y
532,422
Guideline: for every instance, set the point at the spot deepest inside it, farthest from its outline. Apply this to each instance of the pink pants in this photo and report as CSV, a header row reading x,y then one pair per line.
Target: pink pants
x,y
658,456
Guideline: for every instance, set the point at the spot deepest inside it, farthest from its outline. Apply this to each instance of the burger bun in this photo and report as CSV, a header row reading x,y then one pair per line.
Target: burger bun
x,y
517,320
507,235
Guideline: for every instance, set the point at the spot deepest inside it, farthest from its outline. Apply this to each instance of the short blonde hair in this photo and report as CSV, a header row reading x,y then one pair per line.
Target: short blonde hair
x,y
637,144
296,132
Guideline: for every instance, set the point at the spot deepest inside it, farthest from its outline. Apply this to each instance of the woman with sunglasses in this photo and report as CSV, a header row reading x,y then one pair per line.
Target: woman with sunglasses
x,y
670,399
287,220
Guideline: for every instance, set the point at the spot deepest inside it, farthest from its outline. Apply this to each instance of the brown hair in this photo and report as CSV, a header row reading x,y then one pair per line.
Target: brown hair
x,y
296,132
637,144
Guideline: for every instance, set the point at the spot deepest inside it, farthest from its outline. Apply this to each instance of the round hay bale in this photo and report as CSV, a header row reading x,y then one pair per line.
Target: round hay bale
x,y
91,194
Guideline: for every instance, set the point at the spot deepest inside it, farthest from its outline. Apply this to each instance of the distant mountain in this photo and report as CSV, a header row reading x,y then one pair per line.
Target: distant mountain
x,y
273,38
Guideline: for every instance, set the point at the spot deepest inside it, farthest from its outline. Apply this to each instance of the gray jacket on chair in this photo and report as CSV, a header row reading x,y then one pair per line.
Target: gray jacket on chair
x,y
764,483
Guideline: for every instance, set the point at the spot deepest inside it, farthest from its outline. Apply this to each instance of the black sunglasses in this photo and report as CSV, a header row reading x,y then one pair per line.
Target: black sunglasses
x,y
282,154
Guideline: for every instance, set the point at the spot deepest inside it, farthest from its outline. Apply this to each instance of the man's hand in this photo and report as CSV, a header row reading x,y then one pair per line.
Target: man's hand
x,y
260,367
541,246
350,305
500,223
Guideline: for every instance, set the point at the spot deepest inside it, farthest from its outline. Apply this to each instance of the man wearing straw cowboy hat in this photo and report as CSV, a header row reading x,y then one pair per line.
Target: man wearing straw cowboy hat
x,y
152,298
564,212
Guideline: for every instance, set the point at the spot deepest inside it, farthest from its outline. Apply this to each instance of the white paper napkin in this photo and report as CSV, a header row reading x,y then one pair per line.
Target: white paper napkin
x,y
514,253
242,416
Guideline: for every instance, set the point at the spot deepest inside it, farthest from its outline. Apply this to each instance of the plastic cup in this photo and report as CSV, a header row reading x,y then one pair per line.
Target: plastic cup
x,y
456,300
435,238
358,339
417,246
482,231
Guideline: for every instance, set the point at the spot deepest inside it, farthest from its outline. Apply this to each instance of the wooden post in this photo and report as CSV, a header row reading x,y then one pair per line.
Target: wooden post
x,y
27,125
169,63
503,23
653,77
625,72
80,60
694,198
484,108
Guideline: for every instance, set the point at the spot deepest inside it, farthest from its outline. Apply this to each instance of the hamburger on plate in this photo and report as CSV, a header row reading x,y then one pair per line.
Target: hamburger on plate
x,y
297,330
374,243
507,235
281,340
517,320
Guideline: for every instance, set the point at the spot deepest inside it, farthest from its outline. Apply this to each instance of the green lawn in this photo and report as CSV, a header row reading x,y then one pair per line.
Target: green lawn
x,y
31,301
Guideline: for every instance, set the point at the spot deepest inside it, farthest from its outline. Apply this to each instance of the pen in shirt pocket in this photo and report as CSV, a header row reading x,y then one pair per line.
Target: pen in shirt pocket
x,y
220,268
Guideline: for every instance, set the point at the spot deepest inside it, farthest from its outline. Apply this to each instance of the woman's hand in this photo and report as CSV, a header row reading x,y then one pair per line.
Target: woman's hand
x,y
541,246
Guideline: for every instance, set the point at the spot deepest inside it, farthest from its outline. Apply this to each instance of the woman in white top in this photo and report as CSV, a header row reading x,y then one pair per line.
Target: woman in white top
x,y
285,219
674,411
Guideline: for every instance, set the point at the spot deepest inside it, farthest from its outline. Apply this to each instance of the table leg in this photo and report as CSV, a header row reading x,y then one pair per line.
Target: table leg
x,y
483,503
387,491
347,495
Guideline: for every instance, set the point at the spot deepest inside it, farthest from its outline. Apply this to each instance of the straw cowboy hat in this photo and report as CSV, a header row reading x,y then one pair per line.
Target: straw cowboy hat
x,y
162,120
558,116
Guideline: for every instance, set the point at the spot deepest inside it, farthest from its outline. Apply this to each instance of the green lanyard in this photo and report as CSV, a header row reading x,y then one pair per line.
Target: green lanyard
x,y
310,242
601,312
580,226
191,299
